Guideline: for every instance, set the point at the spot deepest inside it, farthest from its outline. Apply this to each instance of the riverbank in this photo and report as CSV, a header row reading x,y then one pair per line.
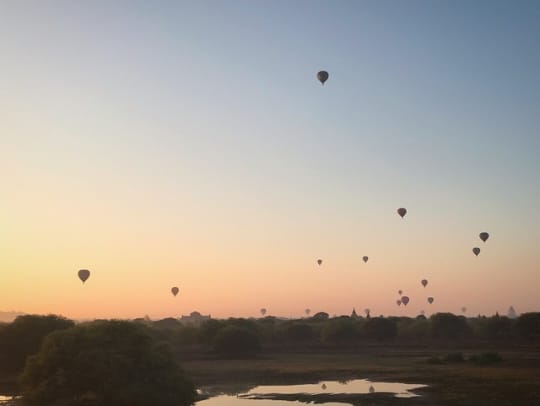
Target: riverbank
x,y
513,381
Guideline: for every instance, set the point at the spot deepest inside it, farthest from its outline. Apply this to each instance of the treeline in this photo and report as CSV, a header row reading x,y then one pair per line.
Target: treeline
x,y
245,336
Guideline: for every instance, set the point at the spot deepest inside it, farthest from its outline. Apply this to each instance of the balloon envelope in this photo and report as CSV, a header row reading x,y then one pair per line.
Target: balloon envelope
x,y
399,292
263,311
398,302
424,282
84,274
402,211
365,259
405,300
319,261
484,236
463,309
308,311
322,76
430,300
175,290
476,251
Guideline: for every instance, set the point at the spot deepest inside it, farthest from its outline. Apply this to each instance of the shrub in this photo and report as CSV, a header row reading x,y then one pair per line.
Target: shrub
x,y
454,357
107,363
236,341
485,358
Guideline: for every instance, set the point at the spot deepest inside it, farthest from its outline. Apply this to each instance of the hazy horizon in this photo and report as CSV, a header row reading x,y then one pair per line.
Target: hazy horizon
x,y
189,144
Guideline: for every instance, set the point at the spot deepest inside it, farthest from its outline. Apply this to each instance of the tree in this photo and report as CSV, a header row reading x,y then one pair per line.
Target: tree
x,y
380,328
236,341
105,363
528,325
339,330
448,325
23,337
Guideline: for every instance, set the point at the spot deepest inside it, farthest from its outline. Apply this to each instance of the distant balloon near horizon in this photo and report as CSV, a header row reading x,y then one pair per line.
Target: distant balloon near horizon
x,y
430,300
319,261
476,251
424,282
323,386
484,236
405,300
175,290
263,311
84,274
399,292
322,76
307,311
365,259
402,211
371,389
464,309
398,302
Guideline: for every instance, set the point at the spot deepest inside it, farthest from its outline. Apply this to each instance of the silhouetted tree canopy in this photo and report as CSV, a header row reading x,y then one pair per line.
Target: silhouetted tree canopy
x,y
448,325
105,363
236,341
380,328
528,325
23,337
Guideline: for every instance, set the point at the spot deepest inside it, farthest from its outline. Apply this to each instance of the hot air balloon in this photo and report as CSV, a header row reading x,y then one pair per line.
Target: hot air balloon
x,y
84,274
398,302
308,311
424,282
405,300
323,386
263,311
371,389
484,236
365,259
476,251
430,300
322,76
464,309
399,292
175,290
402,211
319,261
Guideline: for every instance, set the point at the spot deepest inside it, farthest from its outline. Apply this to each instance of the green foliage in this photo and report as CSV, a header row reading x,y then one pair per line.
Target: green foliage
x,y
23,337
296,332
454,357
528,325
339,331
108,362
236,341
485,358
320,316
381,328
449,326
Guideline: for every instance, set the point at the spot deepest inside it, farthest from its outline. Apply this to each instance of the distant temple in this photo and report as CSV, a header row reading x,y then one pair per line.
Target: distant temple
x,y
195,318
353,314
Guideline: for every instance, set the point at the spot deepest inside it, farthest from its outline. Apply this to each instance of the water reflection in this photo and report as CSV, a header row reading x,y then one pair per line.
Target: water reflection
x,y
356,386
264,395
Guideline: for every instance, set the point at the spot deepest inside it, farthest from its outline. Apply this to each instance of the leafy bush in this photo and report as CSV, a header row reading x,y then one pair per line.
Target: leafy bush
x,y
485,358
107,363
454,357
23,337
236,341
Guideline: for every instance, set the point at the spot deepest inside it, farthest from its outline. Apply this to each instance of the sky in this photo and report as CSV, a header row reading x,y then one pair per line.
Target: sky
x,y
189,144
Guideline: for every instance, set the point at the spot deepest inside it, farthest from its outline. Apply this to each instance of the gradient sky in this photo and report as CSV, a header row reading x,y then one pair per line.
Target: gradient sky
x,y
188,143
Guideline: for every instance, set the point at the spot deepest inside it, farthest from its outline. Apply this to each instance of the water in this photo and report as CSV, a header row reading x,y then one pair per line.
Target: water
x,y
252,397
